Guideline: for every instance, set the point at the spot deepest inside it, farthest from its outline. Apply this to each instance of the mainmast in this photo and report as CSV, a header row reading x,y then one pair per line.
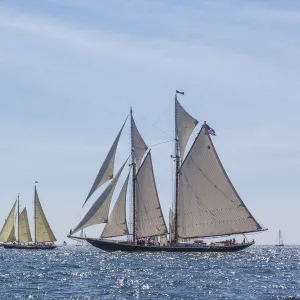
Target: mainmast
x,y
18,239
133,164
35,211
177,165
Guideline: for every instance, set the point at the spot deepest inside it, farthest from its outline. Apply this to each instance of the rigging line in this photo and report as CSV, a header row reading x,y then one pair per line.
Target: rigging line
x,y
168,141
159,117
153,125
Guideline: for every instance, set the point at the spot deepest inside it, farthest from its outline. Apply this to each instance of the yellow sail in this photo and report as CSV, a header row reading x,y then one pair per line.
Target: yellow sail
x,y
8,231
24,230
43,232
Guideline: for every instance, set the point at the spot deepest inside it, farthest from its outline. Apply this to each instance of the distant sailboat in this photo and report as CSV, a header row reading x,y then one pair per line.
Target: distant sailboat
x,y
43,235
206,204
280,240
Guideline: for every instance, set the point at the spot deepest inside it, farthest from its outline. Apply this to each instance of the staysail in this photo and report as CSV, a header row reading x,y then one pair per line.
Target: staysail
x,y
117,224
106,171
149,217
139,144
98,213
171,224
8,230
185,124
24,230
43,232
208,204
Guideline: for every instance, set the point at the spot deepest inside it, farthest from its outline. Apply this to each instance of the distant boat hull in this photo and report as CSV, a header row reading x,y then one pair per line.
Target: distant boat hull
x,y
281,245
28,247
113,246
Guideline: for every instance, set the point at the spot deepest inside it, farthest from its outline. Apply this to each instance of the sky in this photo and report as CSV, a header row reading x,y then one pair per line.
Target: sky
x,y
71,69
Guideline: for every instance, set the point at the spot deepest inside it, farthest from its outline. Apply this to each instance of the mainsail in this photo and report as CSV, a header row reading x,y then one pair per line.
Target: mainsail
x,y
24,230
185,124
149,217
8,230
106,171
138,143
98,213
43,232
117,224
208,204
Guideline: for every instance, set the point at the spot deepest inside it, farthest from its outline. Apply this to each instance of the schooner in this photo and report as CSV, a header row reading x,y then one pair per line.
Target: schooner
x,y
43,235
206,203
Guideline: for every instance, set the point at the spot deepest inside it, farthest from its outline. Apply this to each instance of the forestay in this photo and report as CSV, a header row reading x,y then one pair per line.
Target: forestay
x,y
43,232
106,171
8,230
117,224
24,230
149,217
208,204
98,213
139,144
185,126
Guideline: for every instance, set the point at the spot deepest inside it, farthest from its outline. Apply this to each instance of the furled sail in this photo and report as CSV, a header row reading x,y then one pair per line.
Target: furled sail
x,y
208,204
106,171
185,125
117,224
149,217
24,230
43,232
8,230
98,213
139,144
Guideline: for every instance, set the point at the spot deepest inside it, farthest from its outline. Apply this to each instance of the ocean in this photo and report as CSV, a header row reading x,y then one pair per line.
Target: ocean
x,y
72,272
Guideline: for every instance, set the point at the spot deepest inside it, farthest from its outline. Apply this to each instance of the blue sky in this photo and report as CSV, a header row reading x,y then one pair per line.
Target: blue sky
x,y
69,71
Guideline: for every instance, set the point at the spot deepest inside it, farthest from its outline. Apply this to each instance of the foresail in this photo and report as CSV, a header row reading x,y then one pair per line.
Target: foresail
x,y
139,144
43,232
117,224
185,125
98,213
106,171
9,226
12,236
24,230
208,204
149,217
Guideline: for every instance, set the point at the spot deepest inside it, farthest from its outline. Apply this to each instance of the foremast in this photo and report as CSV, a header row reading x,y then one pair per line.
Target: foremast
x,y
35,210
133,165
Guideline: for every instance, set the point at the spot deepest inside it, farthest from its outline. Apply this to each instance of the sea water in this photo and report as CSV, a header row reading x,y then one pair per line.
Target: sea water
x,y
71,272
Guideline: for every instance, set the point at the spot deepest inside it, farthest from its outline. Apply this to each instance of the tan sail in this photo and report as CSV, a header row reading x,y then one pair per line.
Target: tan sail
x,y
98,213
43,232
139,145
8,230
117,224
12,236
185,126
208,204
149,217
24,230
171,224
106,171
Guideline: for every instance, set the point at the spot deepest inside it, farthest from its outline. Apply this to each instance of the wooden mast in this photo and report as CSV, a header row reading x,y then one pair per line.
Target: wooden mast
x,y
18,240
133,163
177,165
35,210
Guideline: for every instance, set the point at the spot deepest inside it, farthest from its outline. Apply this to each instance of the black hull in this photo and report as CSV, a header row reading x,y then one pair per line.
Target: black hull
x,y
113,246
27,247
